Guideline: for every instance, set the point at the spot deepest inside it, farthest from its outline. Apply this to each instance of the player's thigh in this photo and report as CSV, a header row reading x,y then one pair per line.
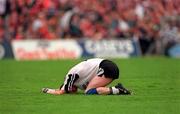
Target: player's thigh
x,y
98,82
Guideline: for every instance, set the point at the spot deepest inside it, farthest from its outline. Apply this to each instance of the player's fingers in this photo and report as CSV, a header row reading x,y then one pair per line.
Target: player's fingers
x,y
44,90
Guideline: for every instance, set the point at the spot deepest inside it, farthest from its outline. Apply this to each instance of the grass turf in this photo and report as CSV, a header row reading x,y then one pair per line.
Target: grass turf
x,y
154,81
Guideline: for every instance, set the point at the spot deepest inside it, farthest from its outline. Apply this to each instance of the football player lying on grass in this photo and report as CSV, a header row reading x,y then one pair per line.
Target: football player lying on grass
x,y
92,75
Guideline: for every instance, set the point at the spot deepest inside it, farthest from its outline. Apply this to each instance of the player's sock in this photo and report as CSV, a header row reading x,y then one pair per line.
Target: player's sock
x,y
92,91
119,89
114,90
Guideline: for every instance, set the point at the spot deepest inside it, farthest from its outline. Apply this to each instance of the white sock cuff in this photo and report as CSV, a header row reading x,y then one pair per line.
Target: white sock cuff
x,y
115,90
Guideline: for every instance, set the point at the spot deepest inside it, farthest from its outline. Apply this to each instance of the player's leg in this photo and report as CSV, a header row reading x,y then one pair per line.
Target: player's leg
x,y
99,83
98,86
108,71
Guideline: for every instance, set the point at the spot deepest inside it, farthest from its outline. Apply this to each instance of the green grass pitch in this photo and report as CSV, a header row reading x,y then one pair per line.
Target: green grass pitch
x,y
154,81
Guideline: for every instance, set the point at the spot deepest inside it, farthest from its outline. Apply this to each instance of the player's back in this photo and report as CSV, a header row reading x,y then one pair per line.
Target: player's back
x,y
86,71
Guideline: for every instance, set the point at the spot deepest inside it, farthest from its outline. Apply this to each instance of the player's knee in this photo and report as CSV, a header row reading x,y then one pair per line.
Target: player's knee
x,y
91,91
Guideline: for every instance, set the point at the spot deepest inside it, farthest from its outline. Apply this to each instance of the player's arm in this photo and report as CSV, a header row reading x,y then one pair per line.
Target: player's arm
x,y
53,91
67,87
58,91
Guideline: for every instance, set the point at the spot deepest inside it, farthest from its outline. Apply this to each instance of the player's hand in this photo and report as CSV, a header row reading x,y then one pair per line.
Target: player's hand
x,y
53,91
44,90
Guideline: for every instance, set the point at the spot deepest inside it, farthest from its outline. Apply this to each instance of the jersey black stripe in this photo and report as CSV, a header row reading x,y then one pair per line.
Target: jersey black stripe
x,y
67,83
76,76
70,82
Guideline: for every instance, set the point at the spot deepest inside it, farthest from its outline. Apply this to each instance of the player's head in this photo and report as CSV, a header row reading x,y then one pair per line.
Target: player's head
x,y
109,69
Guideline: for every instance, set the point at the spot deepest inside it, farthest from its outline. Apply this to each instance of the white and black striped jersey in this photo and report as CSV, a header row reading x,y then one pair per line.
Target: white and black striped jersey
x,y
81,74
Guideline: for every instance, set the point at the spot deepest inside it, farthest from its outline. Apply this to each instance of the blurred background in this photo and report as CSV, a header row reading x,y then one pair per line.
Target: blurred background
x,y
33,29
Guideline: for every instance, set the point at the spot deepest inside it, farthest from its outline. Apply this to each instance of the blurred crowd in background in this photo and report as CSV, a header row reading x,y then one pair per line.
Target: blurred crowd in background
x,y
146,20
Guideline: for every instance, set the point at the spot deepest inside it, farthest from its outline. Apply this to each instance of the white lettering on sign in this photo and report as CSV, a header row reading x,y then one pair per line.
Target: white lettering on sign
x,y
110,48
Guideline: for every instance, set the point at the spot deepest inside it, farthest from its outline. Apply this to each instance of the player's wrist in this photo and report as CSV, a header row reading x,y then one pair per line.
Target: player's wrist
x,y
48,90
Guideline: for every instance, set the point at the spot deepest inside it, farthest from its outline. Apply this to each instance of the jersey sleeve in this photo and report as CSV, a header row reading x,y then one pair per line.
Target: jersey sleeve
x,y
69,82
